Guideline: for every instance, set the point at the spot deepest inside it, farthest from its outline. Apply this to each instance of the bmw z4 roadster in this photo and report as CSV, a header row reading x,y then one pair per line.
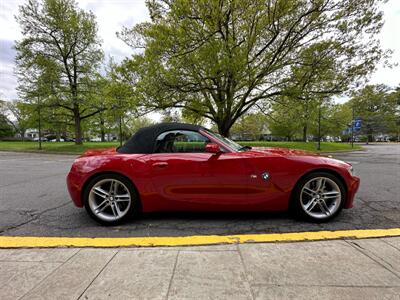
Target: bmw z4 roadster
x,y
183,167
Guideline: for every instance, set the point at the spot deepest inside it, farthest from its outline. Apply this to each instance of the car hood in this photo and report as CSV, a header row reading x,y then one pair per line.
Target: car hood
x,y
96,152
284,151
299,155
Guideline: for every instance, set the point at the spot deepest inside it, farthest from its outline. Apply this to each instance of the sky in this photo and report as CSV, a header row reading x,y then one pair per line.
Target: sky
x,y
112,15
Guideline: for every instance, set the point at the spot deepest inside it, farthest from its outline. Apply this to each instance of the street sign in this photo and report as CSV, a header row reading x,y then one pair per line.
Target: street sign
x,y
357,124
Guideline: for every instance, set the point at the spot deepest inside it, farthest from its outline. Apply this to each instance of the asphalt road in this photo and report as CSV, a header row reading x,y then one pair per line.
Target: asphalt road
x,y
34,201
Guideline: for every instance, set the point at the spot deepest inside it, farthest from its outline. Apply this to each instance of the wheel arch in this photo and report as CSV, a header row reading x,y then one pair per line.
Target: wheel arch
x,y
326,170
93,176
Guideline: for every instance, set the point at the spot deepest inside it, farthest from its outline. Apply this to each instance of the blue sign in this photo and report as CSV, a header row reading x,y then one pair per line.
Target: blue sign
x,y
357,124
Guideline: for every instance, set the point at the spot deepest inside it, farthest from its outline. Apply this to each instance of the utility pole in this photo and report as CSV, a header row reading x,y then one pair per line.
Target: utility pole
x,y
319,126
40,124
120,122
352,126
120,130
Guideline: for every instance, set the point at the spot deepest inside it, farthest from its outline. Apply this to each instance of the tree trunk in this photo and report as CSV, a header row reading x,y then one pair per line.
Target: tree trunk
x,y
102,135
305,128
224,128
102,131
22,133
78,129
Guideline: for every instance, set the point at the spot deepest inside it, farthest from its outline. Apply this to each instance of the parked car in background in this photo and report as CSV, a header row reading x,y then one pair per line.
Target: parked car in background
x,y
36,139
95,139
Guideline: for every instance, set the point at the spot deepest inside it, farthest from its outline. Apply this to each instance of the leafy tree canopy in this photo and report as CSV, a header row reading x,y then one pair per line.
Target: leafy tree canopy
x,y
58,58
218,59
378,107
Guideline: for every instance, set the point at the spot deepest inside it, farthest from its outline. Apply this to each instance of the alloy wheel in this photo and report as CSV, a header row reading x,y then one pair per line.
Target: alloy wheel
x,y
109,200
320,197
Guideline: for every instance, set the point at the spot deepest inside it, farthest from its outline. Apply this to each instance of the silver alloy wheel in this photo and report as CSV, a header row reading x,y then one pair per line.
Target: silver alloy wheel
x,y
320,197
109,199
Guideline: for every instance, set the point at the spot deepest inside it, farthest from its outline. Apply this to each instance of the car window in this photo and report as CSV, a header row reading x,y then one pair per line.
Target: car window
x,y
181,141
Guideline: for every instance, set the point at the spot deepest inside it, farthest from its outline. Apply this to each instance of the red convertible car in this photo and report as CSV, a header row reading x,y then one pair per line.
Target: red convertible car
x,y
183,167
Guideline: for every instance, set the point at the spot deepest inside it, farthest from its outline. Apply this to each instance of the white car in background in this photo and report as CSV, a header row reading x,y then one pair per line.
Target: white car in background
x,y
95,139
36,139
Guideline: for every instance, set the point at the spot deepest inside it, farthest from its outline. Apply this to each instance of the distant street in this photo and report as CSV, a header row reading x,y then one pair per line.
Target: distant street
x,y
34,201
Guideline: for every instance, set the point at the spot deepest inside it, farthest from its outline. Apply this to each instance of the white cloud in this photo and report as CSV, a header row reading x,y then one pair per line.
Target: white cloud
x,y
389,38
112,16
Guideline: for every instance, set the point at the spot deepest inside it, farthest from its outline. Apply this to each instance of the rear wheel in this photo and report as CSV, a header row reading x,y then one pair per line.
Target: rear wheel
x,y
110,199
319,197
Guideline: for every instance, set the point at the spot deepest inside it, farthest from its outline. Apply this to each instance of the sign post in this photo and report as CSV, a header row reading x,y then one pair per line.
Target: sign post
x,y
352,127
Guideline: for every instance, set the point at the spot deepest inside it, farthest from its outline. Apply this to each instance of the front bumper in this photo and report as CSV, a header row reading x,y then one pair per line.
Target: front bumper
x,y
74,185
353,186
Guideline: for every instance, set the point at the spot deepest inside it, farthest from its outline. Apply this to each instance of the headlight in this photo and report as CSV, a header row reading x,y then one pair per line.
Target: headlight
x,y
351,171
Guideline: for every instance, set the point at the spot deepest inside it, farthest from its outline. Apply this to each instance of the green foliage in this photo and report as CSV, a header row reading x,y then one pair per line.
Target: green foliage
x,y
290,118
6,130
58,58
252,125
378,107
218,59
13,115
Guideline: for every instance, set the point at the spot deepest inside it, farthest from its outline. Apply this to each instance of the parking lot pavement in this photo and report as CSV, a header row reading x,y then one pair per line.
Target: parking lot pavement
x,y
337,269
34,201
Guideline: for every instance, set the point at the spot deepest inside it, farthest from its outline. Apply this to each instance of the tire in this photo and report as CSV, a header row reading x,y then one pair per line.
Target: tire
x,y
111,199
312,191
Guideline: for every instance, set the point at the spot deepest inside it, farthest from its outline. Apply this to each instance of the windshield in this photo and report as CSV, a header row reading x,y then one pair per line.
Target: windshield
x,y
235,146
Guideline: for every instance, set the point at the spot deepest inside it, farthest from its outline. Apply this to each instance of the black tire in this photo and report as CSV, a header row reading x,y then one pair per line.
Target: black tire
x,y
131,212
296,206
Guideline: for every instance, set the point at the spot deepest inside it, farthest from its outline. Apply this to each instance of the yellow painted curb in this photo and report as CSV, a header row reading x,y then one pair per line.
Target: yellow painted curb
x,y
45,242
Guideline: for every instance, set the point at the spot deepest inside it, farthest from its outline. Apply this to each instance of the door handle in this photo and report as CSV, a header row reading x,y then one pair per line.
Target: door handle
x,y
160,165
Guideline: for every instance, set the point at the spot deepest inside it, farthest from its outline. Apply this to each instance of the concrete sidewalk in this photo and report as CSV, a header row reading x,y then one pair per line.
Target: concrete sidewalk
x,y
339,269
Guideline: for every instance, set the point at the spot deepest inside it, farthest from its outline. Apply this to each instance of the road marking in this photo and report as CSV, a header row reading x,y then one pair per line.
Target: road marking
x,y
45,242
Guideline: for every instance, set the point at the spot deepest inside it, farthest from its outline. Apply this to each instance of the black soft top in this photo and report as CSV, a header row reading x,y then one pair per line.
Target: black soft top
x,y
144,140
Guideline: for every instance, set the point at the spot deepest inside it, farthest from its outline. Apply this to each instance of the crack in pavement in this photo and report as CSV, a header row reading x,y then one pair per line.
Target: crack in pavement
x,y
34,217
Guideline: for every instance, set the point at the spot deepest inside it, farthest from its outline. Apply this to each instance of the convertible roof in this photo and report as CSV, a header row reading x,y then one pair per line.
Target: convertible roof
x,y
143,141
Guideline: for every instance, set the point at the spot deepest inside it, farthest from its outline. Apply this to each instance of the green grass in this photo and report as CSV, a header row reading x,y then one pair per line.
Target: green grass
x,y
60,147
65,147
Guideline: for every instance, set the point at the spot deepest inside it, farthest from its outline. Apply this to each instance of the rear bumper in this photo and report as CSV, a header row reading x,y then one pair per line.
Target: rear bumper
x,y
74,185
353,186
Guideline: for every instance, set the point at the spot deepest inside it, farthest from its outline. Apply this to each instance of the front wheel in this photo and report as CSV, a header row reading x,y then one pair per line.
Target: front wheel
x,y
110,199
319,197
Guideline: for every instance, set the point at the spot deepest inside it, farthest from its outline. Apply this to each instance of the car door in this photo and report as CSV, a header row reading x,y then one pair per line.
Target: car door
x,y
186,177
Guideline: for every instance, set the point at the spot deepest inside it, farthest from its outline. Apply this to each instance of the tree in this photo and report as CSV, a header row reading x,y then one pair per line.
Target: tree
x,y
6,130
335,119
252,125
218,59
135,124
6,126
285,118
60,52
377,107
119,98
13,114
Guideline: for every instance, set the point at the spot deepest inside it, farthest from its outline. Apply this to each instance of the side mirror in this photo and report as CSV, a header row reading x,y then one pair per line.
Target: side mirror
x,y
212,148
